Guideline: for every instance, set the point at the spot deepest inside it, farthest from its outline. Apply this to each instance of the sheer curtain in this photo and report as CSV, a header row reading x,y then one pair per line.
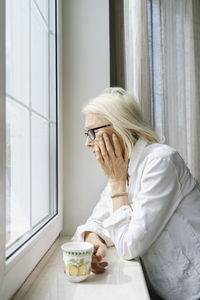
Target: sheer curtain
x,y
129,60
157,55
174,31
136,61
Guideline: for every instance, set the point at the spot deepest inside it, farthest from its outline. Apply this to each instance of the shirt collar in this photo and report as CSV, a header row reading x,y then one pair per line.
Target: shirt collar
x,y
136,154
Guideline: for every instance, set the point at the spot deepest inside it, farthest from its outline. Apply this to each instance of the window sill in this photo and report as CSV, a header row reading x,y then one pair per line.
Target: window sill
x,y
122,279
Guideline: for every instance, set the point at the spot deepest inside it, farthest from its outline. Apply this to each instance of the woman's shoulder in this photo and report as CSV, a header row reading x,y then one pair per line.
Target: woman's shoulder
x,y
165,152
160,150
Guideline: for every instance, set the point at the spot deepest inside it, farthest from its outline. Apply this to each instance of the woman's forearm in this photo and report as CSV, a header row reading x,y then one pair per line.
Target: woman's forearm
x,y
118,187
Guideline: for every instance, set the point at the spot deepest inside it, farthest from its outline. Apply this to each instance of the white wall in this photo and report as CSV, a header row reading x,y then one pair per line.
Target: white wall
x,y
85,74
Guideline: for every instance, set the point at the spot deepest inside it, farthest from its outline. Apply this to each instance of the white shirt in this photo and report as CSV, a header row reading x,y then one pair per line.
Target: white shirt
x,y
160,224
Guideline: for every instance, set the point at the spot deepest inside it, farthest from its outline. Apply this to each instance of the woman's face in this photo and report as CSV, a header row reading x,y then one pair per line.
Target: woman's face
x,y
93,120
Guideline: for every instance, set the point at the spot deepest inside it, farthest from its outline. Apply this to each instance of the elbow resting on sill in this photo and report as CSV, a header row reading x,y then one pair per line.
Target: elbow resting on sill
x,y
127,249
127,252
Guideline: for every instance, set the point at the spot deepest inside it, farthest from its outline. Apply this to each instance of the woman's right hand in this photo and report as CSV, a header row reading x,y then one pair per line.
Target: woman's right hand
x,y
100,251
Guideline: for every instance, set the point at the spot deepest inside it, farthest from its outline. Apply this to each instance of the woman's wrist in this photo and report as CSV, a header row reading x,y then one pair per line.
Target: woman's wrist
x,y
93,237
118,186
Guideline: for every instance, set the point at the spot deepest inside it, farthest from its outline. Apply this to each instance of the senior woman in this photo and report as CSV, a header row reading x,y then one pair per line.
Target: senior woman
x,y
150,207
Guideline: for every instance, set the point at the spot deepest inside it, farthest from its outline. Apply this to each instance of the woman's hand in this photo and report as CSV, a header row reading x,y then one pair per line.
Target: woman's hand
x,y
114,165
100,251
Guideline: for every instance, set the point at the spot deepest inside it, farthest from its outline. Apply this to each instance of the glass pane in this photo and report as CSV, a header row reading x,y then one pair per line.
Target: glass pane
x,y
39,63
52,16
17,49
40,169
17,172
31,161
43,7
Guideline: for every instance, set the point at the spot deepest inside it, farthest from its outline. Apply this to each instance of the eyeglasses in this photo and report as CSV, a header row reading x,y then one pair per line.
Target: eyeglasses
x,y
91,132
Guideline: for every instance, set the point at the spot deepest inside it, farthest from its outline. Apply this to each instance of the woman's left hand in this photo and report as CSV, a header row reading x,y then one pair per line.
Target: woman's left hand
x,y
114,165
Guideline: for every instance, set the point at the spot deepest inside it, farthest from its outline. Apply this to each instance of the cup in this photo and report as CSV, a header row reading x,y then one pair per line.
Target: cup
x,y
77,257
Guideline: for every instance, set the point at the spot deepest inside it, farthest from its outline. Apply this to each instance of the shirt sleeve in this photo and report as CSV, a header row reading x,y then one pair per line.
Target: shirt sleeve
x,y
94,223
134,230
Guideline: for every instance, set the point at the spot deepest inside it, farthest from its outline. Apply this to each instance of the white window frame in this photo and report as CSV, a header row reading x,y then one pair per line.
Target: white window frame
x,y
15,270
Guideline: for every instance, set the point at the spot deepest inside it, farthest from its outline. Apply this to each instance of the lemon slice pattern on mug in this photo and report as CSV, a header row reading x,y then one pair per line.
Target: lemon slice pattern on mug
x,y
77,268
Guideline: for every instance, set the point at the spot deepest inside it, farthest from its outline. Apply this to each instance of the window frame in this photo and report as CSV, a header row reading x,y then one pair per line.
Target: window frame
x,y
32,251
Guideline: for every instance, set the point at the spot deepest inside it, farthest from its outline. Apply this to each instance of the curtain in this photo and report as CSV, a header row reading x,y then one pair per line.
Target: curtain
x,y
137,75
157,57
174,32
129,61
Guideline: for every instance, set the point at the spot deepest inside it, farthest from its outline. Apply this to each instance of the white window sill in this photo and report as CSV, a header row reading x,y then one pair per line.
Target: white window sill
x,y
121,280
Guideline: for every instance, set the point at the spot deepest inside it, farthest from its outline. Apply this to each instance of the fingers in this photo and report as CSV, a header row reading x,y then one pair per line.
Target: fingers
x,y
106,147
109,146
98,267
99,155
103,149
101,251
95,248
117,147
103,264
96,261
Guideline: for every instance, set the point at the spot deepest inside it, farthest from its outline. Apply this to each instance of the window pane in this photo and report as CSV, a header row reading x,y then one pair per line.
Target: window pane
x,y
40,169
43,7
17,49
17,172
39,63
31,166
52,17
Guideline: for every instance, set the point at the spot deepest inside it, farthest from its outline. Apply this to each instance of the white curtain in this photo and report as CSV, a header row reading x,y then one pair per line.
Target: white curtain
x,y
162,68
136,61
174,32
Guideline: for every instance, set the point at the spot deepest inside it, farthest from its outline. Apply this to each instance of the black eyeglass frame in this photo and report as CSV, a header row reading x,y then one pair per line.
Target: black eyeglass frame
x,y
91,132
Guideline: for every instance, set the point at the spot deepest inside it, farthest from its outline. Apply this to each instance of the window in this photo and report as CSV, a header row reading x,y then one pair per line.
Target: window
x,y
30,136
31,198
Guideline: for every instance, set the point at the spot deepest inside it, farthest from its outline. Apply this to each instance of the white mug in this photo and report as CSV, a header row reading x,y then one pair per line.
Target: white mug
x,y
77,258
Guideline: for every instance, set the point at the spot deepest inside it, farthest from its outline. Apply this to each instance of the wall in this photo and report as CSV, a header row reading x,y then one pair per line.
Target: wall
x,y
85,74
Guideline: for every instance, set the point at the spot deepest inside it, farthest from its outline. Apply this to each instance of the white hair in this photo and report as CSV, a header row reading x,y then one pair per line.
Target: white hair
x,y
122,111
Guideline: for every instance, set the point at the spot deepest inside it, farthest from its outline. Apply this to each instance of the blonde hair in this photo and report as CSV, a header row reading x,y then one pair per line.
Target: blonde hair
x,y
122,111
